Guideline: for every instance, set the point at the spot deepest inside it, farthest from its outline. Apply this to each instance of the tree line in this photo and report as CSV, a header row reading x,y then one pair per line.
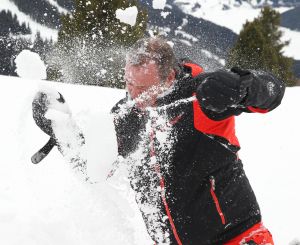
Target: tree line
x,y
14,37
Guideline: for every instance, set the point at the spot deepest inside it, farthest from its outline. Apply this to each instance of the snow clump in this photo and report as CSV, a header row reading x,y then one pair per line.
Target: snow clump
x,y
127,16
159,4
30,66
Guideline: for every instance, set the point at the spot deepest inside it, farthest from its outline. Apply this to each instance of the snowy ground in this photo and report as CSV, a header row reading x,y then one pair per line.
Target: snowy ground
x,y
47,204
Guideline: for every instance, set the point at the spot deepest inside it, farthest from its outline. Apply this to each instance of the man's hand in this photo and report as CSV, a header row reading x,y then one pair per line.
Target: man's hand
x,y
220,90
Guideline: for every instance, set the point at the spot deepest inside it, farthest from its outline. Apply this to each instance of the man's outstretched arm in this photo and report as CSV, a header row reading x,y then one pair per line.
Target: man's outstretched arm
x,y
222,94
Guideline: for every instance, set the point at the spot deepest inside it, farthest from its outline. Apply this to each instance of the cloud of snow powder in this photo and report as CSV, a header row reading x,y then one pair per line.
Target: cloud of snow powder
x,y
86,63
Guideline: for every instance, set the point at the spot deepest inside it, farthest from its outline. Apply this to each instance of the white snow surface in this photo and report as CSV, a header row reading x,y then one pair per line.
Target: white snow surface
x,y
234,15
292,50
59,8
46,32
29,65
159,4
227,13
48,204
99,160
128,15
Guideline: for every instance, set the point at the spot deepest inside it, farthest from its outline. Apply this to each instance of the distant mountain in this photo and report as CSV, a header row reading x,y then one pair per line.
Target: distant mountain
x,y
291,19
290,3
9,25
233,14
297,68
44,11
206,5
200,40
274,3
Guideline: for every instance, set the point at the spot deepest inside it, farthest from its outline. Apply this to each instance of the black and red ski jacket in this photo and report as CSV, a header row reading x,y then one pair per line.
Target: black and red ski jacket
x,y
206,198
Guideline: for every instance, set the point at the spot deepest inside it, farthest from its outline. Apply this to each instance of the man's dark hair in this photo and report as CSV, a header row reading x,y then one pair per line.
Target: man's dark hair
x,y
154,49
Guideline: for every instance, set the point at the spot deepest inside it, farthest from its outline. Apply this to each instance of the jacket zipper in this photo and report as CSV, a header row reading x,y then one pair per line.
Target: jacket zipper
x,y
215,198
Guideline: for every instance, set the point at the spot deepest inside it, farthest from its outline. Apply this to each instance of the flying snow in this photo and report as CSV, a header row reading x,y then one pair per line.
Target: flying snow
x,y
30,66
128,15
159,4
101,146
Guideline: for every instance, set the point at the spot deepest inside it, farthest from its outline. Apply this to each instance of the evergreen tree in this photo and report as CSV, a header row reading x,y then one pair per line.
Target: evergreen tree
x,y
10,47
92,43
259,47
97,20
41,46
11,41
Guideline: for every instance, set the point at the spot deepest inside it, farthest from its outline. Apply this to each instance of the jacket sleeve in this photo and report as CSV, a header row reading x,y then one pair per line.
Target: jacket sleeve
x,y
222,94
127,123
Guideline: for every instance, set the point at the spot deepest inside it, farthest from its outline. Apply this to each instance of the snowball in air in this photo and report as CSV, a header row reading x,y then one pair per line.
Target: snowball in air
x,y
171,44
159,4
30,66
128,15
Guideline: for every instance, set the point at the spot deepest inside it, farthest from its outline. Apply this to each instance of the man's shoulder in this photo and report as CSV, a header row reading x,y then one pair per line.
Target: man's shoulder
x,y
189,68
188,77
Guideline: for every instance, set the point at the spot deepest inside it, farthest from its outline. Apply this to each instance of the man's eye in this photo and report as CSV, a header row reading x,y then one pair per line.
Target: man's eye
x,y
141,87
136,86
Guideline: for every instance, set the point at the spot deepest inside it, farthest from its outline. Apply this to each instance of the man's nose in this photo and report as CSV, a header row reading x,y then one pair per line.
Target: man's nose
x,y
129,86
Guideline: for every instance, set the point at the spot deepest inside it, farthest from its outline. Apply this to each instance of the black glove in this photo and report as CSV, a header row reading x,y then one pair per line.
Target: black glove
x,y
262,89
221,89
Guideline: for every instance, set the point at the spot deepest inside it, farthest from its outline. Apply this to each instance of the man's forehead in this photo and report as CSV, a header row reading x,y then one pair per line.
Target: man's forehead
x,y
145,68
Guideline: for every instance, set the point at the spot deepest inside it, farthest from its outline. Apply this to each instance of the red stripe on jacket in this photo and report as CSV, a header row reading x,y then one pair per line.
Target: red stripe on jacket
x,y
196,69
254,109
224,128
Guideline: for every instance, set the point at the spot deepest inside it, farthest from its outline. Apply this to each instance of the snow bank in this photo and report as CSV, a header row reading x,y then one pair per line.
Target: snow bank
x,y
30,66
128,15
47,204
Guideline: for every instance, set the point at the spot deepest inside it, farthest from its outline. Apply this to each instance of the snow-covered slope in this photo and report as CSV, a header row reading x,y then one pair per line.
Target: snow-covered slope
x,y
61,9
47,204
228,13
233,14
35,27
194,38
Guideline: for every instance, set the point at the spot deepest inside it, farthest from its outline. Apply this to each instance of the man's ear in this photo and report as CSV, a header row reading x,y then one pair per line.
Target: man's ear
x,y
170,78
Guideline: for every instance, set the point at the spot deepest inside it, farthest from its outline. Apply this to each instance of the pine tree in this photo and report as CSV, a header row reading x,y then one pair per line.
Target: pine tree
x,y
97,20
41,46
259,47
92,41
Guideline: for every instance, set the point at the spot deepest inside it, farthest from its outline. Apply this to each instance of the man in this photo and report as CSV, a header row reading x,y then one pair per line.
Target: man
x,y
191,186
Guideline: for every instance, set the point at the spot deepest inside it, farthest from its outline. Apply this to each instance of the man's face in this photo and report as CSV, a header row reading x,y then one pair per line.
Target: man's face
x,y
140,78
